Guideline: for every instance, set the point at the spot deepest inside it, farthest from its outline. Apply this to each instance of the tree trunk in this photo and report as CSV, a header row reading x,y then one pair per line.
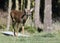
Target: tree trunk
x,y
9,10
48,16
17,5
36,15
21,5
28,6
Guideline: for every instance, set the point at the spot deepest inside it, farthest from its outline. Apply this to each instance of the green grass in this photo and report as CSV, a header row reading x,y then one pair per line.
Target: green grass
x,y
36,38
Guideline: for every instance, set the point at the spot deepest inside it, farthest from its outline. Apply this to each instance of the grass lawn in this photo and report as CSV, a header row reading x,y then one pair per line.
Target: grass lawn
x,y
36,38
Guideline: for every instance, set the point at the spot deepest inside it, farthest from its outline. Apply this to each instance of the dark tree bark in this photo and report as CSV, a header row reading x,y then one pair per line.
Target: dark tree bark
x,y
48,16
9,10
36,15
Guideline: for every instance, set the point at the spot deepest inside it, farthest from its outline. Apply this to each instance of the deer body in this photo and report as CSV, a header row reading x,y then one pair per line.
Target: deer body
x,y
17,18
16,15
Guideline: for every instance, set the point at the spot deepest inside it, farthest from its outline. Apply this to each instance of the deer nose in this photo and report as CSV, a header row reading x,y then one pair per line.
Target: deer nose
x,y
29,13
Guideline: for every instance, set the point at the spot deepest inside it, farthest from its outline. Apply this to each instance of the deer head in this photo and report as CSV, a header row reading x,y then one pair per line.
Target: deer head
x,y
28,11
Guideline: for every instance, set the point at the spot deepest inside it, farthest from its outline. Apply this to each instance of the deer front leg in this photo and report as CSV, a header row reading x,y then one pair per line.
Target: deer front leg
x,y
23,30
13,25
17,29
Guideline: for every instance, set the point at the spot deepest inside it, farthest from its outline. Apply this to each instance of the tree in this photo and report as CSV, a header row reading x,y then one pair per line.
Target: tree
x,y
21,5
48,16
9,10
17,5
36,15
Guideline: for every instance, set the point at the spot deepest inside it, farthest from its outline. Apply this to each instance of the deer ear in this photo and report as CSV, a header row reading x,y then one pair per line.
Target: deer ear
x,y
31,9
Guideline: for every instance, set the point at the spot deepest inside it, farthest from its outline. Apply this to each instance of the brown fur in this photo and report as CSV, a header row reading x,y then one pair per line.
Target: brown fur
x,y
17,18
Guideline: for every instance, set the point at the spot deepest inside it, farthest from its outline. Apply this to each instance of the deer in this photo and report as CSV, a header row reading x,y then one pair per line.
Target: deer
x,y
19,17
